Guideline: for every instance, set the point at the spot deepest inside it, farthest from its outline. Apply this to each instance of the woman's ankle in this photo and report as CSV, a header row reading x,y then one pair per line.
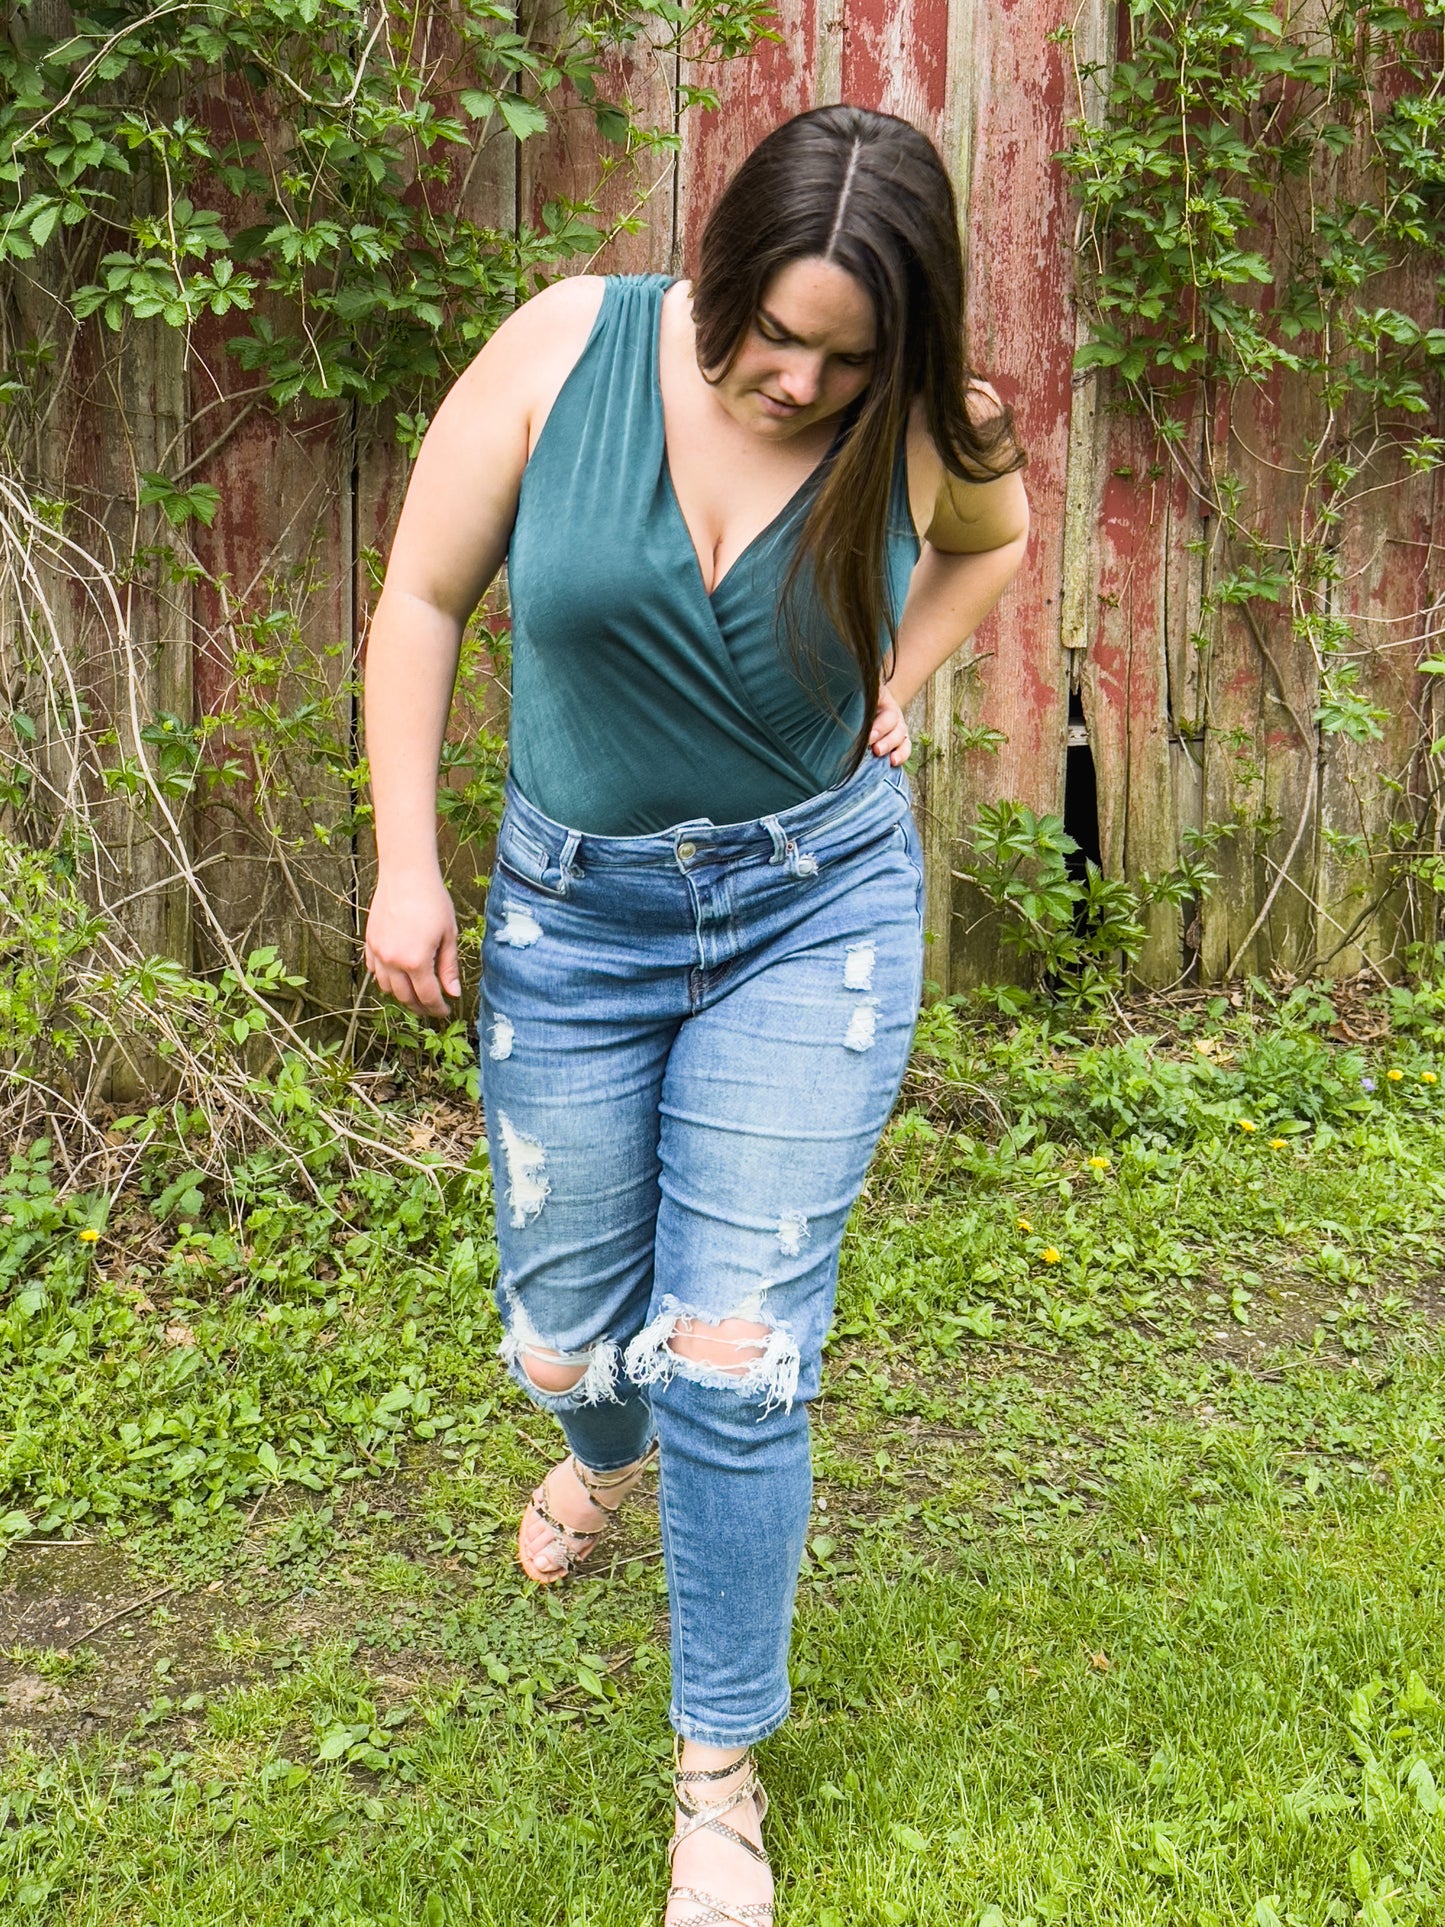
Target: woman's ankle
x,y
696,1756
612,1474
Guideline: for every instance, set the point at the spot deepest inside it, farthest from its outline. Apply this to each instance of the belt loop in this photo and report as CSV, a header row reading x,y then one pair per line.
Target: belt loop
x,y
569,850
781,846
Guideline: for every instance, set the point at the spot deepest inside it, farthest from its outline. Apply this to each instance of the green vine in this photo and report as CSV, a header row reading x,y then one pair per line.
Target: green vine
x,y
1263,200
299,170
314,210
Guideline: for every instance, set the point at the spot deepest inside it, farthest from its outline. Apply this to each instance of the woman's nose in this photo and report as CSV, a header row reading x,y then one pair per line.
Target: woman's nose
x,y
799,381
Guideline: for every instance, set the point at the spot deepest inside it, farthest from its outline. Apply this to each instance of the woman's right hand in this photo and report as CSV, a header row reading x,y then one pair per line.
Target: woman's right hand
x,y
411,941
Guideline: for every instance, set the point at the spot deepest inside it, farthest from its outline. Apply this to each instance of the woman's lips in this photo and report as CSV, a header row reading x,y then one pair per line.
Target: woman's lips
x,y
783,410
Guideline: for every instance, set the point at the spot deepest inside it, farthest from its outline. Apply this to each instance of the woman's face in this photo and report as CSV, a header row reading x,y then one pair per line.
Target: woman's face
x,y
807,355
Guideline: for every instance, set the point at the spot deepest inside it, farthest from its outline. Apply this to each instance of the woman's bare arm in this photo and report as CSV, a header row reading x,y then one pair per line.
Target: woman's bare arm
x,y
453,534
974,538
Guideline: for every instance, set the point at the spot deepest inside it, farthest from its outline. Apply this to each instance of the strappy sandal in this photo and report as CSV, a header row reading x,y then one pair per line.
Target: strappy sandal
x,y
575,1545
695,1816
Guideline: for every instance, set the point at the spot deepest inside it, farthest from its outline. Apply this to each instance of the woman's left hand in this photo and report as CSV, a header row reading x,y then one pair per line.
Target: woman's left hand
x,y
889,736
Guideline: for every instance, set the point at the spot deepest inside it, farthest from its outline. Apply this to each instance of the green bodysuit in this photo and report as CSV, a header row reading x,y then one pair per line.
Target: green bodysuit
x,y
638,699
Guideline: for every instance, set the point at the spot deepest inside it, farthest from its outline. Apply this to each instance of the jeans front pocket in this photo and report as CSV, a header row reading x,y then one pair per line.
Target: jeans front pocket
x,y
522,860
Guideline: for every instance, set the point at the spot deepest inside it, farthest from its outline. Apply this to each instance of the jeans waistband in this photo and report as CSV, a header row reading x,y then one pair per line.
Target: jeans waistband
x,y
875,785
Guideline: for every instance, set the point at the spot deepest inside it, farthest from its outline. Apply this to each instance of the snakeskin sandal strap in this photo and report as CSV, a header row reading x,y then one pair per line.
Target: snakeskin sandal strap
x,y
699,1814
573,1543
717,1913
594,1484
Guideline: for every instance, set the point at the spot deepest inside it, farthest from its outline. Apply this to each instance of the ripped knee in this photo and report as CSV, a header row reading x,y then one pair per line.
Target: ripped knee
x,y
548,1371
732,1344
558,1380
744,1354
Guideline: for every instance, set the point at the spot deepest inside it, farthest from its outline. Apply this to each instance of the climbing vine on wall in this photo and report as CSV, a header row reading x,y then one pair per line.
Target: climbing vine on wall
x,y
213,216
1263,206
197,159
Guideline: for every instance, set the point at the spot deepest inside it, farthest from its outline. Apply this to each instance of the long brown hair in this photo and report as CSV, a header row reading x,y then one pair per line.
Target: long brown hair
x,y
870,193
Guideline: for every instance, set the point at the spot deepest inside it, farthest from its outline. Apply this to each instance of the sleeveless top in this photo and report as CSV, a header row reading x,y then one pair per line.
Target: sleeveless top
x,y
639,700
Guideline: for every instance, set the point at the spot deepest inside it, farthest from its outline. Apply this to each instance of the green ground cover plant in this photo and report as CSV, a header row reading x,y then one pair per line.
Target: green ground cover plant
x,y
1123,1595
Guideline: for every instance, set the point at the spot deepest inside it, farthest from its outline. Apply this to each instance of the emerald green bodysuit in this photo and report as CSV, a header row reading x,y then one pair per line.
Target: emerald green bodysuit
x,y
639,700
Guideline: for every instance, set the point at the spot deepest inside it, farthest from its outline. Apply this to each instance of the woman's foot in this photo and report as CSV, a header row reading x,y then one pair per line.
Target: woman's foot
x,y
568,1514
720,1872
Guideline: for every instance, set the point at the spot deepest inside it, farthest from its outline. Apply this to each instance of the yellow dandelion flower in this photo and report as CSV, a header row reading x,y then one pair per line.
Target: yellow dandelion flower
x,y
1024,1225
1247,1124
1049,1255
89,1236
1099,1164
1394,1075
1428,1077
1279,1144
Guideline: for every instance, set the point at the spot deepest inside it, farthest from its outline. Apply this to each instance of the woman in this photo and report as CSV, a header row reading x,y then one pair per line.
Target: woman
x,y
745,520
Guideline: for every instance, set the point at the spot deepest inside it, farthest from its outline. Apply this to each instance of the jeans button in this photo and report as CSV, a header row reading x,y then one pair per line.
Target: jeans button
x,y
687,851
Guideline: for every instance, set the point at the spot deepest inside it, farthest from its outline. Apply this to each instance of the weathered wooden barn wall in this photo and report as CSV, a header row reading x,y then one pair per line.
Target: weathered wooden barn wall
x,y
1180,733
1092,662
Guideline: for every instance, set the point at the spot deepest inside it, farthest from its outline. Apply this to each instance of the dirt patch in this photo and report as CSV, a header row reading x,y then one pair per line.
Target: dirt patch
x,y
87,1642
1285,1317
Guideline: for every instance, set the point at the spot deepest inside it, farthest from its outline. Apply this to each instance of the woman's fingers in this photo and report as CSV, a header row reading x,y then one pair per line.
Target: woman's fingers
x,y
890,735
448,974
417,988
411,943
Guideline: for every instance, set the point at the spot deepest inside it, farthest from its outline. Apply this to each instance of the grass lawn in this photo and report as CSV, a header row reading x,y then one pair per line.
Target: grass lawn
x,y
1123,1602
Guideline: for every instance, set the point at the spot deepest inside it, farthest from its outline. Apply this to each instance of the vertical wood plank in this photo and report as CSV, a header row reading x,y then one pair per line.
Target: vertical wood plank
x,y
1119,492
1125,684
1021,336
1184,539
754,96
934,716
895,59
567,160
1261,772
1371,800
276,866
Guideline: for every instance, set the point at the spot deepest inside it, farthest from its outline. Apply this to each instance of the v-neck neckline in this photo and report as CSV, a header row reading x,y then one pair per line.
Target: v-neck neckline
x,y
671,486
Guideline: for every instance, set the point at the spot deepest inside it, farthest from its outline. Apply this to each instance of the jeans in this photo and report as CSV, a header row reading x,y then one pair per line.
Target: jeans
x,y
690,1043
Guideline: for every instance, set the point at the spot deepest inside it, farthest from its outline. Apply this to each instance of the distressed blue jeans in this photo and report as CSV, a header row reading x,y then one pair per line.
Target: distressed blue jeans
x,y
690,1043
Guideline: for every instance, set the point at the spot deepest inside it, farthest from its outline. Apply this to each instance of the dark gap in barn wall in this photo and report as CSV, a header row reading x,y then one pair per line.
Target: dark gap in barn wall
x,y
1081,793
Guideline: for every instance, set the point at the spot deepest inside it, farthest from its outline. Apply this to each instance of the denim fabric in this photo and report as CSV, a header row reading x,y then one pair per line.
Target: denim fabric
x,y
690,1043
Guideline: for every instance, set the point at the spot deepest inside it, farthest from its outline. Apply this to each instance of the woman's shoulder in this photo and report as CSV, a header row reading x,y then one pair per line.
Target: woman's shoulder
x,y
942,500
556,316
568,307
521,369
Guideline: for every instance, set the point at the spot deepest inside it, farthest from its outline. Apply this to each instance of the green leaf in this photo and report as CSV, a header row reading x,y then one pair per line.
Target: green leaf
x,y
179,505
1416,1698
523,117
590,1683
612,124
910,1837
1421,1782
43,226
